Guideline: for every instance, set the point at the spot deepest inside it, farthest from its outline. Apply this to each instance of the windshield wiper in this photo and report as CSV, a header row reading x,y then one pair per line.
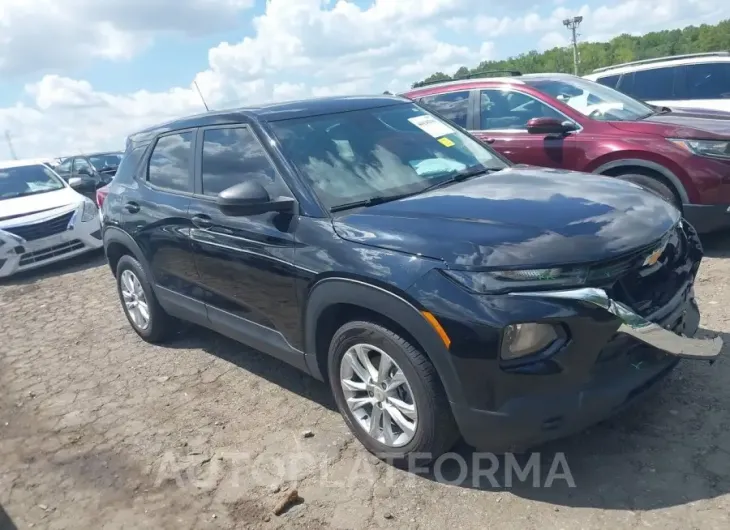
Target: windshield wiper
x,y
372,201
462,175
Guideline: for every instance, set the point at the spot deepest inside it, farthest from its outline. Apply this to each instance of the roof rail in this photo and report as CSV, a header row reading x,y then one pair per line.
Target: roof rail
x,y
665,58
473,75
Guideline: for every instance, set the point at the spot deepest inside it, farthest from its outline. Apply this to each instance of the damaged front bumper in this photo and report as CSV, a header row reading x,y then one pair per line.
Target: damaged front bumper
x,y
639,327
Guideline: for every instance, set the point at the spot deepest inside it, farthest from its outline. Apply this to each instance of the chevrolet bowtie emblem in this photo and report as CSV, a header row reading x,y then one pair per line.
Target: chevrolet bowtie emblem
x,y
652,258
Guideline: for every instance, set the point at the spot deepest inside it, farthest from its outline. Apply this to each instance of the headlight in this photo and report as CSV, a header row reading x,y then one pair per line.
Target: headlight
x,y
90,211
709,148
520,340
495,282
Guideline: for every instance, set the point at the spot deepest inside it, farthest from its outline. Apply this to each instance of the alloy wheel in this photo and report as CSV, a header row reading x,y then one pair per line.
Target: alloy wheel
x,y
378,395
135,300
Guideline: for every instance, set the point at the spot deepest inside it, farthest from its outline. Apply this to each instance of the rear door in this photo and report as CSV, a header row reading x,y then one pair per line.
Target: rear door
x,y
245,261
501,120
155,213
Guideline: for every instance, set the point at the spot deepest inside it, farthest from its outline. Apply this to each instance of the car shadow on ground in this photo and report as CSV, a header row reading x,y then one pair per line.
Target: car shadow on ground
x,y
88,260
716,245
662,452
5,522
260,364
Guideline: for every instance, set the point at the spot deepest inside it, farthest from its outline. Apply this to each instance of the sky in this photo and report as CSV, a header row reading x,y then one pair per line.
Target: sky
x,y
80,75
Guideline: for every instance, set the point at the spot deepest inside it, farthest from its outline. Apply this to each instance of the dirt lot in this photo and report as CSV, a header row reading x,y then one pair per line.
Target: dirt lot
x,y
100,430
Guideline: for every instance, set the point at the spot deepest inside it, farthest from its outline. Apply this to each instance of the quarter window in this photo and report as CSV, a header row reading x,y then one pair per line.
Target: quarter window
x,y
232,156
169,165
609,80
453,106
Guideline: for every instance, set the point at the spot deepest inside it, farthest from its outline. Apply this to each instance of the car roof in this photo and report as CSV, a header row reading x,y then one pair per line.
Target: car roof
x,y
657,63
7,164
476,82
272,112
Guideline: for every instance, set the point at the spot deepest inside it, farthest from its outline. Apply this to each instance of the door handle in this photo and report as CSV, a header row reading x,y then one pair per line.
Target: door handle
x,y
488,140
202,221
131,207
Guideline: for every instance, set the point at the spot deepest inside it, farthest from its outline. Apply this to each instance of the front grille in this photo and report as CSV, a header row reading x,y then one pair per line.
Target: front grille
x,y
50,252
49,227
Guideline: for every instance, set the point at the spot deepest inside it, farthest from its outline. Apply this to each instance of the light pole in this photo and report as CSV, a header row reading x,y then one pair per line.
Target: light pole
x,y
10,145
572,24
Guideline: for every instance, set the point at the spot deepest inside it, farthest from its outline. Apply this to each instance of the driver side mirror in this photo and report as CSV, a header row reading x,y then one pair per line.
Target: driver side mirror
x,y
550,126
251,198
82,184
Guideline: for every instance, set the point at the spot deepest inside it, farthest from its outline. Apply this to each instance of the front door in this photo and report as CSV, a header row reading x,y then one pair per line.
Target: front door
x,y
244,262
502,120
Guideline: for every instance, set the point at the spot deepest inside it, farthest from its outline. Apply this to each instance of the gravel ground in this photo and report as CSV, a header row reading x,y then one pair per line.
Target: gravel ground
x,y
101,430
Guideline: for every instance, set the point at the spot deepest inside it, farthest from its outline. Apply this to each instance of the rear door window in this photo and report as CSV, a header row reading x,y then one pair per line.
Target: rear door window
x,y
453,106
171,162
707,81
653,84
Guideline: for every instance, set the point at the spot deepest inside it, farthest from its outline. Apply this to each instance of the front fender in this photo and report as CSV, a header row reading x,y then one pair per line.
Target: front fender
x,y
330,291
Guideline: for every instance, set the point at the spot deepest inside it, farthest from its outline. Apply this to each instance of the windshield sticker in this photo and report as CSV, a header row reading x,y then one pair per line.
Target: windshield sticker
x,y
445,141
431,126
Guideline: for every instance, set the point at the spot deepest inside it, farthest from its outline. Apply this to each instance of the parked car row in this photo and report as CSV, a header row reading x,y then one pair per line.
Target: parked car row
x,y
42,218
438,288
443,259
565,122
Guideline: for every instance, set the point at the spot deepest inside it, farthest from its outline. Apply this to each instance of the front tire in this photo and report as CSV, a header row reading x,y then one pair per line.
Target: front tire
x,y
389,394
140,305
655,186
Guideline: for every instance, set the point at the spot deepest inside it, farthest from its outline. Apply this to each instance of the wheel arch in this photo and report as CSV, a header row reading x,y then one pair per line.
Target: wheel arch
x,y
618,167
333,301
118,243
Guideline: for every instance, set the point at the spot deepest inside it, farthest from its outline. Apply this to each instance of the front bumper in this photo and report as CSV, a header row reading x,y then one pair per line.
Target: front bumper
x,y
707,218
644,353
18,255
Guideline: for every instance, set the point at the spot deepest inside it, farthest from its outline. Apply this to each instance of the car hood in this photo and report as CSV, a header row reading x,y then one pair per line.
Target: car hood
x,y
521,216
39,205
682,123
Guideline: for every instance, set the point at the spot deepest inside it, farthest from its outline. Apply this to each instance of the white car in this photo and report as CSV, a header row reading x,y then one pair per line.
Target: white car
x,y
42,218
694,81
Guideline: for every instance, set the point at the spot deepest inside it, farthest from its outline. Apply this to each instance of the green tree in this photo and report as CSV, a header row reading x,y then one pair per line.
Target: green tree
x,y
624,48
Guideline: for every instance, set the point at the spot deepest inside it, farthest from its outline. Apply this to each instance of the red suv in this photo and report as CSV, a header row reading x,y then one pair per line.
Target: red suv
x,y
566,122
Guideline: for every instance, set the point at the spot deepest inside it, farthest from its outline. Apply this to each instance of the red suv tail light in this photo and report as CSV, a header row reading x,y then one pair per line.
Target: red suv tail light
x,y
101,194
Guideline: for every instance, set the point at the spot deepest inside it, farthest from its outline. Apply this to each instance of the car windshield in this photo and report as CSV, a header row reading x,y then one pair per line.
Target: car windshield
x,y
27,180
379,152
106,160
592,99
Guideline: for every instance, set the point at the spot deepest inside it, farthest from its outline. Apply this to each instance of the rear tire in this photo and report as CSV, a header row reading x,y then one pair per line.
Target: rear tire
x,y
420,396
133,286
655,186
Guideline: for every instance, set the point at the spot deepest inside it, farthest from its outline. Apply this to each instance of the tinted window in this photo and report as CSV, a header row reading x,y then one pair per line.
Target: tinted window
x,y
105,160
232,155
657,83
708,81
609,80
65,166
505,109
379,152
453,106
169,166
81,163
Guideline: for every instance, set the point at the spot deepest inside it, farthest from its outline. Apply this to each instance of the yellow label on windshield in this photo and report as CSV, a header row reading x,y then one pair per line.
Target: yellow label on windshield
x,y
445,141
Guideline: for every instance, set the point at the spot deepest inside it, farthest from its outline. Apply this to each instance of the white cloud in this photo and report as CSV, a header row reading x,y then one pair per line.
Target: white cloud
x,y
56,34
298,48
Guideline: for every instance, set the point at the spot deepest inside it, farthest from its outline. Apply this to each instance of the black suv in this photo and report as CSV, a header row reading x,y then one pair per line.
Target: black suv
x,y
439,289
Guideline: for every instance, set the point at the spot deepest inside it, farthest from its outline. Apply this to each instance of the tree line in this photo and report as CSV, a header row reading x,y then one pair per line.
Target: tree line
x,y
624,48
